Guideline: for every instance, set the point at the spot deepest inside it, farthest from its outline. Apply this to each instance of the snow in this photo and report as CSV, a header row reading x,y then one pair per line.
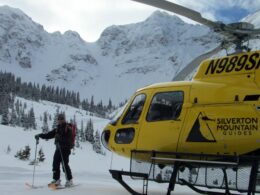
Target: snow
x,y
90,170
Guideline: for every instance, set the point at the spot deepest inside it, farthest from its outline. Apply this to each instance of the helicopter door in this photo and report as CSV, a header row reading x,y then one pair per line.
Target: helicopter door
x,y
161,127
127,130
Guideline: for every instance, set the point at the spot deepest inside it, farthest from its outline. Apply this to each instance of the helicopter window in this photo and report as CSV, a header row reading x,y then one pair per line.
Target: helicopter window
x,y
117,116
135,110
165,106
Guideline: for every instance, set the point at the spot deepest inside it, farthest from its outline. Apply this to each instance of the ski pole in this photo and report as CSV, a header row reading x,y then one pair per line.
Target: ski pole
x,y
37,142
62,162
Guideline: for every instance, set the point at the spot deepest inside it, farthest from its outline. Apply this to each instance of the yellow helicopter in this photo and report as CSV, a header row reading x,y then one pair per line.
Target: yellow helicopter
x,y
211,121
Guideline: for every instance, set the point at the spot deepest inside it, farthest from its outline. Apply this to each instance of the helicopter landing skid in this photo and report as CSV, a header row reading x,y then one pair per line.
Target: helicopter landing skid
x,y
117,175
219,173
204,191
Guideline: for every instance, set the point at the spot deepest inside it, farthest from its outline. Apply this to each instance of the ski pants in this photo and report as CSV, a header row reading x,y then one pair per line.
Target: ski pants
x,y
57,160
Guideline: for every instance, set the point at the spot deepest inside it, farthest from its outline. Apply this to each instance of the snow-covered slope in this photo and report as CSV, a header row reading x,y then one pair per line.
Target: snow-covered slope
x,y
124,58
83,160
90,170
19,137
253,18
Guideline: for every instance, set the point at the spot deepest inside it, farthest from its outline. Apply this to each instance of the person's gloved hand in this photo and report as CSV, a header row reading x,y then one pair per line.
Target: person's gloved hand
x,y
37,137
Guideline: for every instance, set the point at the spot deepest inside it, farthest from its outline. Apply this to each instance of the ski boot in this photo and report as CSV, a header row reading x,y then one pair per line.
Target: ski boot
x,y
69,183
54,183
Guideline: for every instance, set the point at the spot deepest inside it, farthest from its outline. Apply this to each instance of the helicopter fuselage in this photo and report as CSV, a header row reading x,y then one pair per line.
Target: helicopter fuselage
x,y
218,112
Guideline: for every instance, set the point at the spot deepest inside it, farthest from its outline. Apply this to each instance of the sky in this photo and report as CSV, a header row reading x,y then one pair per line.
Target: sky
x,y
90,17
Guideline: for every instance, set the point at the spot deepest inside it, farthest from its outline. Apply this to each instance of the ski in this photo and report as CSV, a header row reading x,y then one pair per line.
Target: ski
x,y
30,186
59,187
52,186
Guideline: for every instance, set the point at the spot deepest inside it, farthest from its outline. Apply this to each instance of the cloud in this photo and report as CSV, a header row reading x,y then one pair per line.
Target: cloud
x,y
222,10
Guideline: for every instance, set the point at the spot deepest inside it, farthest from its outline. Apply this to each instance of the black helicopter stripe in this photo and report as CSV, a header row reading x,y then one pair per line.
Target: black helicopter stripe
x,y
251,97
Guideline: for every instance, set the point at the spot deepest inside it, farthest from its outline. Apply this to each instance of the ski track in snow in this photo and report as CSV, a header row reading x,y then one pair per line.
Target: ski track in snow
x,y
13,179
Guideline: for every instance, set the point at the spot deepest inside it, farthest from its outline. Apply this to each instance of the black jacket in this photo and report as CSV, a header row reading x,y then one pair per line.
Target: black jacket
x,y
62,135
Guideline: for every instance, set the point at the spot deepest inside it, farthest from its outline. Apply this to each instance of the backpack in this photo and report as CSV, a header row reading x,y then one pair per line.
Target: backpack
x,y
73,132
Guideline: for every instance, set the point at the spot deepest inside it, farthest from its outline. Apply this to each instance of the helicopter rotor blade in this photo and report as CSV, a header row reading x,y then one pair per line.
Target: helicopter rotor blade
x,y
183,11
196,62
248,32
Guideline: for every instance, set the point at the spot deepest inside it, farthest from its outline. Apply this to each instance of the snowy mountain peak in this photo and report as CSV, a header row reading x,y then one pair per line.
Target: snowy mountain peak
x,y
13,12
73,35
36,55
112,33
11,17
158,30
19,37
161,17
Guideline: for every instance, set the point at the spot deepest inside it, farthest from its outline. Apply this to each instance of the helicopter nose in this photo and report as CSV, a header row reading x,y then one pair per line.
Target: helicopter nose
x,y
105,138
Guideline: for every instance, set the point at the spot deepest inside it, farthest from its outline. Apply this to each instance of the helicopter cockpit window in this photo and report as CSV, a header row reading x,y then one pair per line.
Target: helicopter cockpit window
x,y
165,106
135,110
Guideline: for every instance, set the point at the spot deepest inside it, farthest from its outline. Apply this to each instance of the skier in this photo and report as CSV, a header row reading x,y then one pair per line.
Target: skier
x,y
63,142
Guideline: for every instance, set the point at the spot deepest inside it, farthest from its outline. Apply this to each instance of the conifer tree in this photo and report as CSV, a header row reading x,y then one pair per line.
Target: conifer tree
x,y
89,132
4,111
78,100
92,105
18,112
77,139
36,92
55,119
24,106
22,118
32,121
5,117
41,156
97,145
18,154
80,133
17,106
26,123
8,150
45,127
82,136
110,105
26,153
